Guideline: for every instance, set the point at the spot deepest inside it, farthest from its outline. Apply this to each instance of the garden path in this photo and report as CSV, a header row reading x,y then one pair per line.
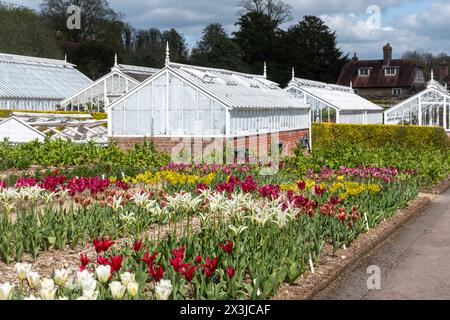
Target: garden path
x,y
414,262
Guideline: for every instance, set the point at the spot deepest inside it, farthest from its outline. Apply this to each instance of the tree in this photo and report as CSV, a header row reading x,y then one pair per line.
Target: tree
x,y
98,20
24,32
177,45
427,60
216,49
312,50
93,59
277,10
260,41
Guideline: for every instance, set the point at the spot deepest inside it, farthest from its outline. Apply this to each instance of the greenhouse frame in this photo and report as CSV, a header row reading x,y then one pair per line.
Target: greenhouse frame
x,y
189,101
37,84
108,88
334,103
430,107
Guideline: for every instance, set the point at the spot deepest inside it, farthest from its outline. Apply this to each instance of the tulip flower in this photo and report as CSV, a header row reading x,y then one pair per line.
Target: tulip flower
x,y
127,278
137,245
88,285
132,289
163,289
149,259
48,290
84,260
102,245
103,273
22,270
198,259
33,279
227,247
230,271
60,276
117,290
6,291
188,273
156,272
115,263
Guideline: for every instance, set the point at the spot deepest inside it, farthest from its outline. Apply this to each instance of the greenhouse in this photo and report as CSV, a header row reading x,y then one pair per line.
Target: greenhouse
x,y
29,83
190,101
108,88
427,108
334,103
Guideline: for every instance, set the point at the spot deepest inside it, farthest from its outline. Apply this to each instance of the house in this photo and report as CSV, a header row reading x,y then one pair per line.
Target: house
x,y
208,106
18,131
383,79
334,103
29,83
430,107
108,88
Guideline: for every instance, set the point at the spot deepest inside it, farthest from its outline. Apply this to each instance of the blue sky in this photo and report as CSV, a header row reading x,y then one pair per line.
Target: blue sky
x,y
406,24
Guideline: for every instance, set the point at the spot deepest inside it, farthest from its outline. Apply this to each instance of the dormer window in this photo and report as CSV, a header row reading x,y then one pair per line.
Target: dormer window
x,y
364,72
390,71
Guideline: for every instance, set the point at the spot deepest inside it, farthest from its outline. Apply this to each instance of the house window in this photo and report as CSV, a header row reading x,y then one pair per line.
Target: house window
x,y
390,71
397,92
365,72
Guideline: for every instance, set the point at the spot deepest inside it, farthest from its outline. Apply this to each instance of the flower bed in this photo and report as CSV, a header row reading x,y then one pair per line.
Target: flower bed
x,y
216,232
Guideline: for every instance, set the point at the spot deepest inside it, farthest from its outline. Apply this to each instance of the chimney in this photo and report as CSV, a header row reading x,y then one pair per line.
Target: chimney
x,y
387,54
443,71
355,57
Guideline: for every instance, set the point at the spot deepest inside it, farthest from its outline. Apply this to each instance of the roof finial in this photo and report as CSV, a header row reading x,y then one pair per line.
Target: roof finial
x,y
432,74
115,60
167,54
351,84
65,57
293,73
265,70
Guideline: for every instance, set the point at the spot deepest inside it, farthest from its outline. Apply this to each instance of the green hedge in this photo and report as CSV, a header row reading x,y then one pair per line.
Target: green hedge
x,y
5,113
377,136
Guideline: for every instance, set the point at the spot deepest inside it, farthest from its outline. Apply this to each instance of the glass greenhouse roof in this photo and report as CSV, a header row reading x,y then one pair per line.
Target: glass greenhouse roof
x,y
38,78
339,97
237,90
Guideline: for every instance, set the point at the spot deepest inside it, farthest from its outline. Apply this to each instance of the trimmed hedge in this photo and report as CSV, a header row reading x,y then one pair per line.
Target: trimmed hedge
x,y
5,113
377,136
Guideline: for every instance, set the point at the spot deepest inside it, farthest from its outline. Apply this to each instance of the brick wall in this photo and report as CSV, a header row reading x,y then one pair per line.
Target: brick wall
x,y
255,144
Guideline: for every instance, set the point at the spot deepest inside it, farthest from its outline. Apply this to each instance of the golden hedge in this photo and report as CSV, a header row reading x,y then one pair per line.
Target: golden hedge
x,y
326,134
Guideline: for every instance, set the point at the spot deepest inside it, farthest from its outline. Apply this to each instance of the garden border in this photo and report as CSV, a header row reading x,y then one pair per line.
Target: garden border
x,y
310,285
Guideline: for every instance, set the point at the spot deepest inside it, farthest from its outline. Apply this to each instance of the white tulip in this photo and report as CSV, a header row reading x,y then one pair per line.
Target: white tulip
x,y
117,290
33,279
6,291
89,295
126,278
22,270
61,276
132,289
48,290
103,273
32,297
88,285
163,289
82,275
63,298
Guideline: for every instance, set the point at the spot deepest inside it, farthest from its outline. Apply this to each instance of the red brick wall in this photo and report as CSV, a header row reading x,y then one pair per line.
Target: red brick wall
x,y
258,144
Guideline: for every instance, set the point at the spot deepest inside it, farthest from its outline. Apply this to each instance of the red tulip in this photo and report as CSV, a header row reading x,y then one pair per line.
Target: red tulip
x,y
84,260
156,272
177,263
301,185
230,271
228,247
102,261
102,244
116,263
137,245
198,259
189,272
149,259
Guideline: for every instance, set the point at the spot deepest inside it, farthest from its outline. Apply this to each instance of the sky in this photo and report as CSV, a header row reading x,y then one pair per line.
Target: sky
x,y
362,26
